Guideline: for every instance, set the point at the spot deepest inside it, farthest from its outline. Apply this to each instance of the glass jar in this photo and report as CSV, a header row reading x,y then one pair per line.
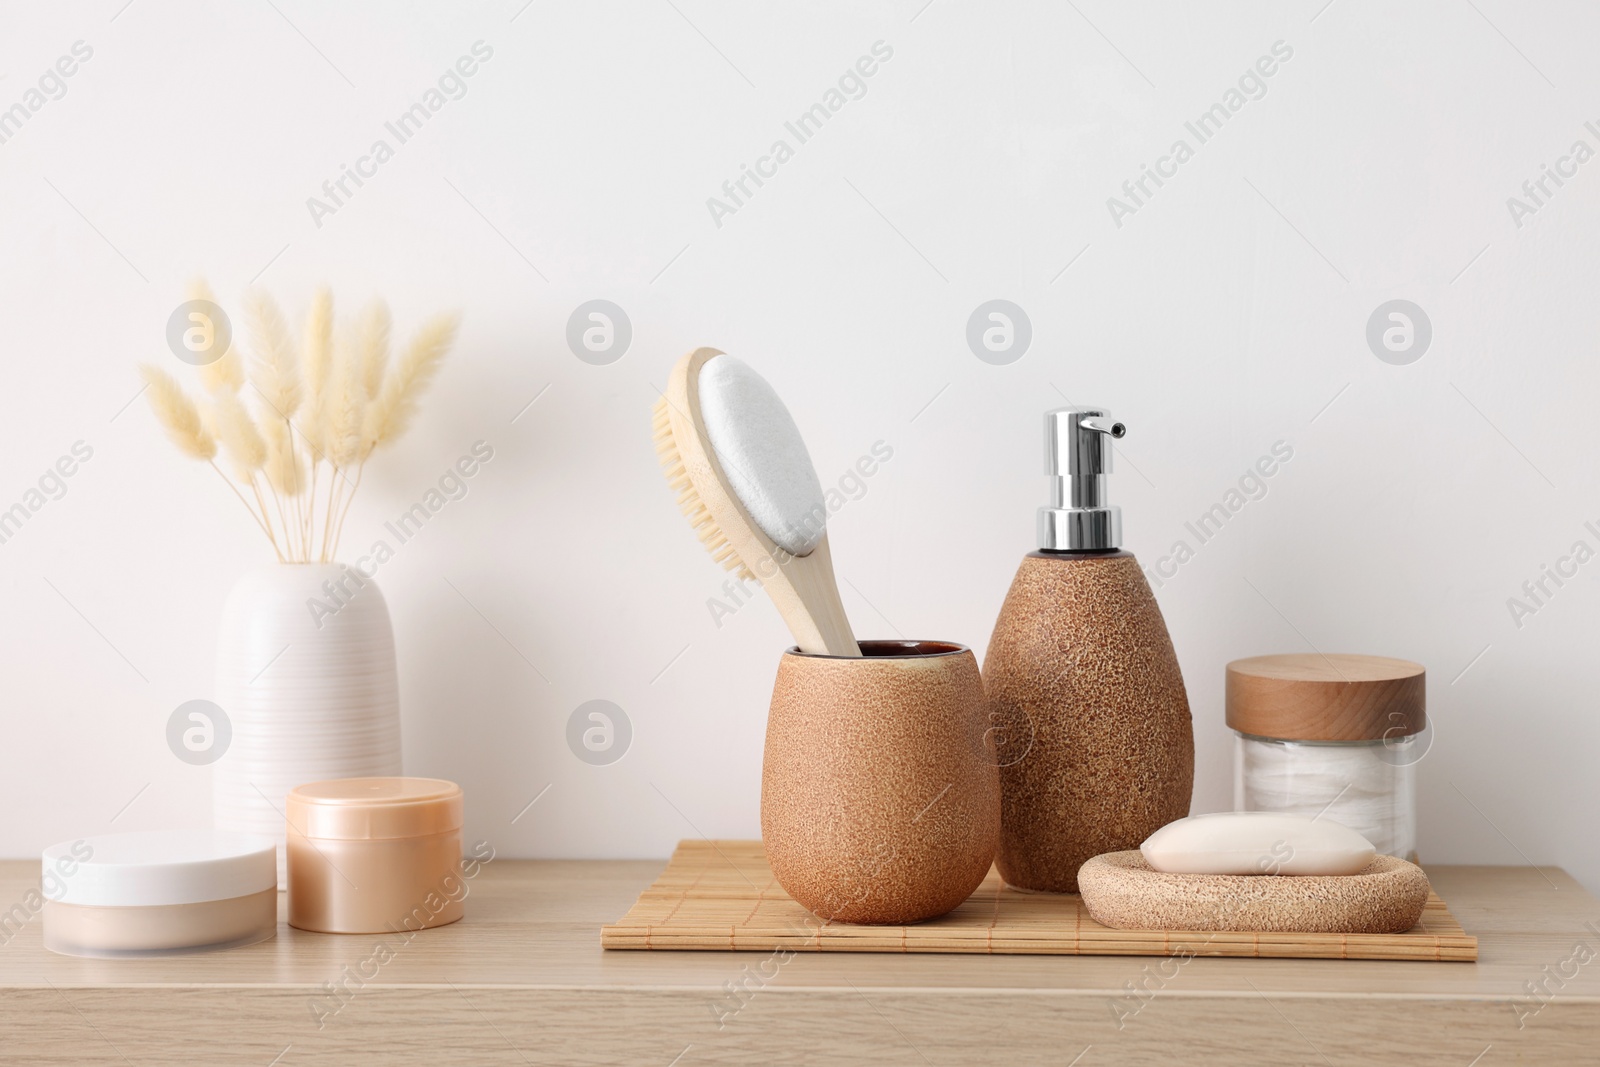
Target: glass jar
x,y
1355,783
1334,737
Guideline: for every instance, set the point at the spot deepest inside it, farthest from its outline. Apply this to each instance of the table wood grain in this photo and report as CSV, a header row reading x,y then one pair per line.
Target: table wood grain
x,y
523,980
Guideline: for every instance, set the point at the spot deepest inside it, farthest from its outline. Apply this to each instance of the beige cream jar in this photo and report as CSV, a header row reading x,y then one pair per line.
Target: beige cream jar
x,y
372,855
159,893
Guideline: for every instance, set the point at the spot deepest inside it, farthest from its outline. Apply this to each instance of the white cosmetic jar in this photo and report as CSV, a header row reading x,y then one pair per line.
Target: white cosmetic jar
x,y
159,893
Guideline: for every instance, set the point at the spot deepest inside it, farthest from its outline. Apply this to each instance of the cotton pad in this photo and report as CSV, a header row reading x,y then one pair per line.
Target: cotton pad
x,y
759,448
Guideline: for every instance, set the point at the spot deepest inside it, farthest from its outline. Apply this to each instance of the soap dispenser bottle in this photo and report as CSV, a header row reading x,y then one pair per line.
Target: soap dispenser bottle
x,y
1086,701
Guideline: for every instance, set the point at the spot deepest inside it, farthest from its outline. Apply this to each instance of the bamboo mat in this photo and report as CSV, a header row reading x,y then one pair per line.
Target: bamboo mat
x,y
721,896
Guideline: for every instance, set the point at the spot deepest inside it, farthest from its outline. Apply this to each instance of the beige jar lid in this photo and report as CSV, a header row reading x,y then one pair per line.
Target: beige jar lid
x,y
1337,697
369,809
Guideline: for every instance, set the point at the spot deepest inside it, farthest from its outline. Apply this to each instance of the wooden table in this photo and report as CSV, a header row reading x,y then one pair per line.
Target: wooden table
x,y
523,980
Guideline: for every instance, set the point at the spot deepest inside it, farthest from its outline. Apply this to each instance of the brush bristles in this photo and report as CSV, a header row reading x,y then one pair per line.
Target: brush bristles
x,y
694,509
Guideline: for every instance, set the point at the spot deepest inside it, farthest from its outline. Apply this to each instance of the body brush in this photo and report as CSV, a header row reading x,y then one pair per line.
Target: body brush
x,y
745,481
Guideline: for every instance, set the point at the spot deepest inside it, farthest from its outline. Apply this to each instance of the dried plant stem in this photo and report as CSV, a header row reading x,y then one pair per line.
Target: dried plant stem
x,y
247,507
299,503
261,500
291,526
322,520
335,497
344,511
333,483
283,522
283,518
311,505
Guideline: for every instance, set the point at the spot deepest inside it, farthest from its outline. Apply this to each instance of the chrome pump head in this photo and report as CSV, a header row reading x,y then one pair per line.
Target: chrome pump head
x,y
1077,457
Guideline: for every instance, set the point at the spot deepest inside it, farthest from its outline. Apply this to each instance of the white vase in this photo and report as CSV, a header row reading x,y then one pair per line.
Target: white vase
x,y
306,676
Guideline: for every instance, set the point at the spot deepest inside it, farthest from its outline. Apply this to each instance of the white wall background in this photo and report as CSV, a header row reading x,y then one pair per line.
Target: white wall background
x,y
1228,313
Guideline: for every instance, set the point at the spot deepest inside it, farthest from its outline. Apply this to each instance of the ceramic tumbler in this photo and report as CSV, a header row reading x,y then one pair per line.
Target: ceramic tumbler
x,y
880,796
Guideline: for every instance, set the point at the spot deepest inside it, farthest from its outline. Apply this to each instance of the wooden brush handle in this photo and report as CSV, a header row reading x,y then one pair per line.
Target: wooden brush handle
x,y
807,596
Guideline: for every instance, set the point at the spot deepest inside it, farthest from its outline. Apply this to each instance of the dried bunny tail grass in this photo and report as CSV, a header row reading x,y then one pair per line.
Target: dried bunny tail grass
x,y
389,414
275,371
345,405
225,374
239,436
177,414
319,345
374,346
285,471
317,363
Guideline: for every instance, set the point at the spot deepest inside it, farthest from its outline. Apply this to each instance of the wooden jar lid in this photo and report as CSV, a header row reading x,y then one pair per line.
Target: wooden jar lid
x,y
1312,697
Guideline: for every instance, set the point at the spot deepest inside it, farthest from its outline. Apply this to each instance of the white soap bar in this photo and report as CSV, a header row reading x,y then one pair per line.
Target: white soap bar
x,y
1256,842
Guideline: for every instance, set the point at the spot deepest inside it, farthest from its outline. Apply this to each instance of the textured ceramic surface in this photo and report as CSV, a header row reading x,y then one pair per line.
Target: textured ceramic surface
x,y
879,797
311,693
1082,678
1387,897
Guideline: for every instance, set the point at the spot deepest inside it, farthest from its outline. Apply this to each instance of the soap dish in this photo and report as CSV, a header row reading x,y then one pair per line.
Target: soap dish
x,y
1121,890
